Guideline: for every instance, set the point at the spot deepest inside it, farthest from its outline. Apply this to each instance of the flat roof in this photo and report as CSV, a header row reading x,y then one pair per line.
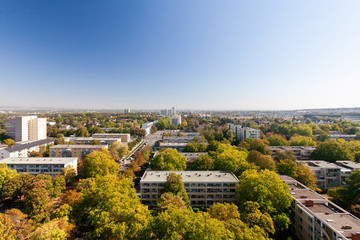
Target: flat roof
x,y
40,160
78,146
321,208
111,134
94,138
313,164
340,220
27,145
172,144
305,194
191,176
348,164
292,147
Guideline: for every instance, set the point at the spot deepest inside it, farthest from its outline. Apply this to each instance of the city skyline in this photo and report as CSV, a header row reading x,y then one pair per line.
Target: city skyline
x,y
194,55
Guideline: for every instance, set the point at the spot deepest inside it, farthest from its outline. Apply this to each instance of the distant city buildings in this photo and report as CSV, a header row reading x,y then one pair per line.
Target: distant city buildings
x,y
127,110
22,149
26,128
79,151
300,152
204,188
315,217
43,165
242,133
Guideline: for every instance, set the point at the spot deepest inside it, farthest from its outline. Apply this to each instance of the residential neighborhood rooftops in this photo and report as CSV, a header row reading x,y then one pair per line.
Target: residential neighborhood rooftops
x,y
191,176
78,146
35,160
20,147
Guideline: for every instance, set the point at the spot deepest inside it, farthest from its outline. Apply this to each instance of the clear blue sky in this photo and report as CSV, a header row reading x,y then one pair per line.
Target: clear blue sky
x,y
190,53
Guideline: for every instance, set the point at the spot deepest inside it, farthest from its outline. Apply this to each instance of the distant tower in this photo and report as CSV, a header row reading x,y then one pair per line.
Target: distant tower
x,y
127,110
173,111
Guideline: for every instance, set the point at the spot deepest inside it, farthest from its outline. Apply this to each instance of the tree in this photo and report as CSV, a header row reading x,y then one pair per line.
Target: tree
x,y
272,195
168,199
254,217
277,140
38,205
229,158
261,160
35,154
58,185
17,187
224,212
95,142
202,162
146,151
298,140
15,224
110,209
98,163
95,130
70,174
9,142
6,175
175,185
284,155
82,132
49,230
331,151
306,176
287,167
169,160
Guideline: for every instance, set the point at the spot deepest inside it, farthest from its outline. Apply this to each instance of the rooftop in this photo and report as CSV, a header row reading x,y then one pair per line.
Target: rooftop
x,y
42,160
292,147
77,146
313,164
27,145
348,164
341,221
172,144
191,176
305,194
111,134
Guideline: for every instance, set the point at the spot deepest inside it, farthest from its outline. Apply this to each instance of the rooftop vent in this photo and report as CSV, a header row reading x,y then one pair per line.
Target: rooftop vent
x,y
346,227
303,196
329,220
327,213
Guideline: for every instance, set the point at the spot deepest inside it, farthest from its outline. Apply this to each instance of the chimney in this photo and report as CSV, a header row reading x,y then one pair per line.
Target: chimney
x,y
309,203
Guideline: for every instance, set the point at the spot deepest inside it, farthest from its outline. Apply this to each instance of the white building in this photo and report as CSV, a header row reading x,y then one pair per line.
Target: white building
x,y
204,188
26,128
176,120
23,149
147,127
43,165
127,110
244,132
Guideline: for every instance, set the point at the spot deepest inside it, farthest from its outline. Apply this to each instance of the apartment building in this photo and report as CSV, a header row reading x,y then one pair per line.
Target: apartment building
x,y
147,127
191,156
347,168
177,146
22,149
178,139
79,151
176,120
89,140
43,165
26,128
315,217
204,188
242,133
328,175
125,137
300,152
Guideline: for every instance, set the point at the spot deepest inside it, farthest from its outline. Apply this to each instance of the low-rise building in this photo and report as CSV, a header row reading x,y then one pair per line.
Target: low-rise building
x,y
79,151
176,120
178,139
347,167
242,133
125,137
191,156
315,217
204,188
177,146
346,137
300,152
147,127
328,175
89,140
22,149
43,165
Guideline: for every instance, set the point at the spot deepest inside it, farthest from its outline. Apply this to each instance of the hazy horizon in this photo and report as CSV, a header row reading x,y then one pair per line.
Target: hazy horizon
x,y
240,55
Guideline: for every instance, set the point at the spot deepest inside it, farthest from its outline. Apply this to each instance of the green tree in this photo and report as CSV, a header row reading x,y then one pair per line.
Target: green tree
x,y
9,142
261,160
331,151
272,195
168,199
99,163
175,185
229,158
38,205
202,162
95,142
277,140
58,185
110,209
169,160
298,140
6,175
95,130
82,132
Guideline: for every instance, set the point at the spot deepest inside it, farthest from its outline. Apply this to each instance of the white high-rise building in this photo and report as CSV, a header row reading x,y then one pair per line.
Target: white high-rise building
x,y
26,128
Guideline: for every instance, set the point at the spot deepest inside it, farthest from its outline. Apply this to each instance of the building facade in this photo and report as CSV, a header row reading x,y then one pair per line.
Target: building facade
x,y
22,149
26,128
242,133
315,217
204,188
43,165
125,137
89,140
79,151
176,120
300,152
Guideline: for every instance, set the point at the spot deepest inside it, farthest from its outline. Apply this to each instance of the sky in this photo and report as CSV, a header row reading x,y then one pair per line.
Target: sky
x,y
193,54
